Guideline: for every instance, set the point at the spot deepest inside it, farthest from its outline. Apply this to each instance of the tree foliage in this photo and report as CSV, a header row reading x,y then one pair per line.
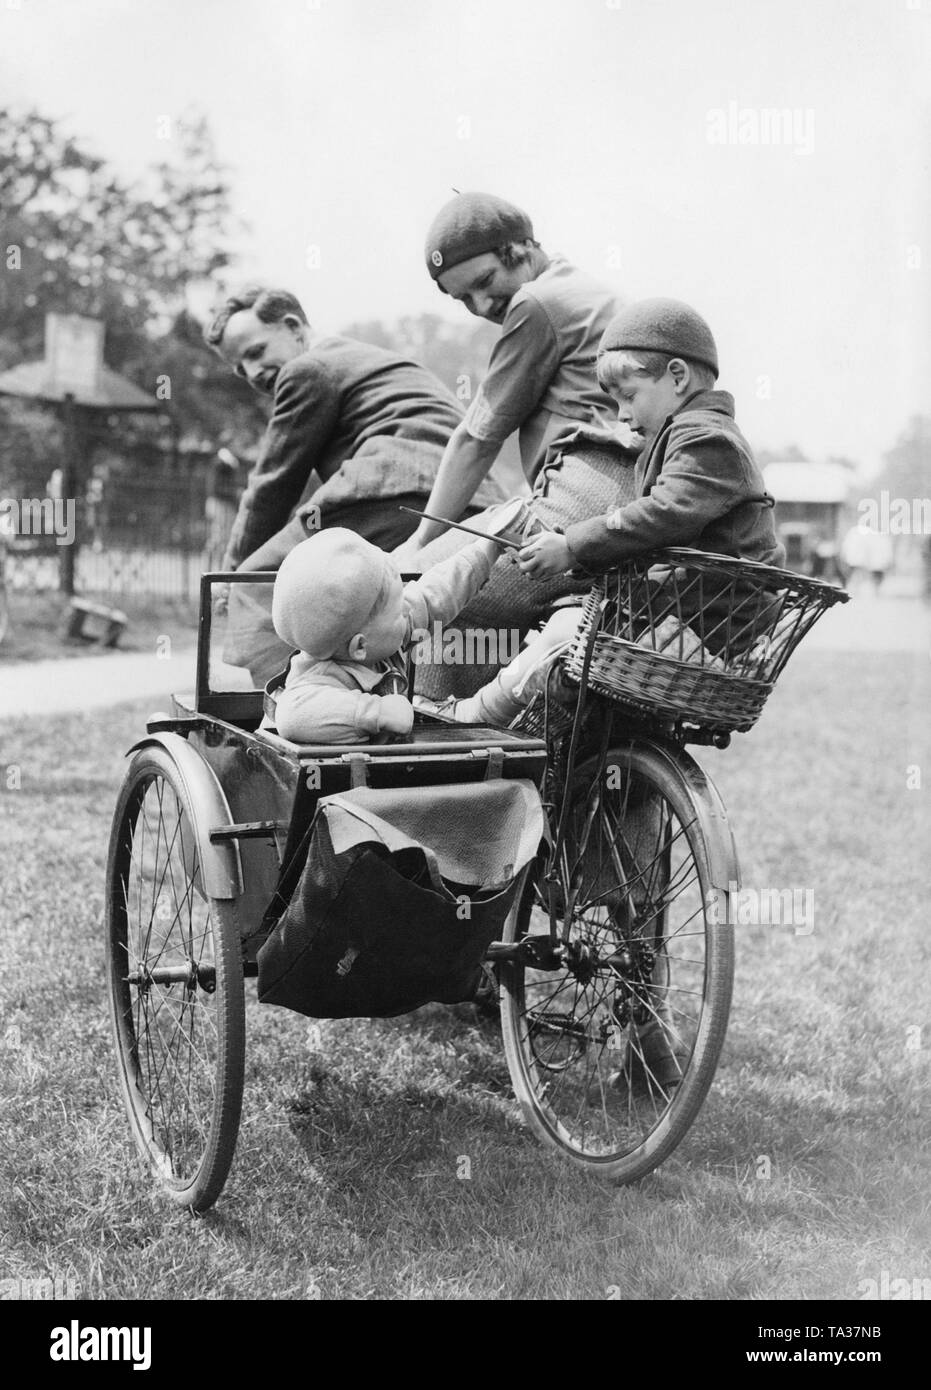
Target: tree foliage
x,y
906,470
790,454
92,243
77,237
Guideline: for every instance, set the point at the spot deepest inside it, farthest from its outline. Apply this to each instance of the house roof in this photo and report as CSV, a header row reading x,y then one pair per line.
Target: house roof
x,y
31,379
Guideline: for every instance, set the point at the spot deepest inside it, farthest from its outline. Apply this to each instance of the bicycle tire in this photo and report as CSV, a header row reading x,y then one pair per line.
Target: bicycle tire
x,y
180,1042
571,1033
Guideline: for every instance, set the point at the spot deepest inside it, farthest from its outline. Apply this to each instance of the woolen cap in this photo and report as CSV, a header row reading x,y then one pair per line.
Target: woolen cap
x,y
661,325
327,589
469,225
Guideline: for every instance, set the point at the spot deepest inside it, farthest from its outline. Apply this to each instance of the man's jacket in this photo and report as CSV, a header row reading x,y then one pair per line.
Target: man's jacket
x,y
350,422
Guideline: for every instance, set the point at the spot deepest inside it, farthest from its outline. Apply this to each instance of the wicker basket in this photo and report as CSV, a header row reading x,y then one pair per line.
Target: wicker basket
x,y
696,637
543,719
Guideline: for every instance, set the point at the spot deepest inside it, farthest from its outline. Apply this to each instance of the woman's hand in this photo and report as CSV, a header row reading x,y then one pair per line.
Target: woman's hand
x,y
545,555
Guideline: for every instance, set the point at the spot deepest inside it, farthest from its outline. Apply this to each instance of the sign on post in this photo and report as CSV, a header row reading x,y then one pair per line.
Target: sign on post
x,y
73,359
73,354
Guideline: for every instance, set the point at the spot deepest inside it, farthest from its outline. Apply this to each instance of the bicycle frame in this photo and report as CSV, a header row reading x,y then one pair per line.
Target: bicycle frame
x,y
702,794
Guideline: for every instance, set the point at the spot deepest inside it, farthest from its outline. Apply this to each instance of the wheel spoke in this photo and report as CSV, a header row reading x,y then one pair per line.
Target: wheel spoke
x,y
602,1047
179,1059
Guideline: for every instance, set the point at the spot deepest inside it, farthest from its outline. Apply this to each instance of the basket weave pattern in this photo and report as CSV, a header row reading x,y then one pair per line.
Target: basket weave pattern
x,y
688,635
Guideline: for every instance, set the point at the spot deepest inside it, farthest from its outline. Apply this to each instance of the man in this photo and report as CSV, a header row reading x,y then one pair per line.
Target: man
x,y
355,433
541,377
356,427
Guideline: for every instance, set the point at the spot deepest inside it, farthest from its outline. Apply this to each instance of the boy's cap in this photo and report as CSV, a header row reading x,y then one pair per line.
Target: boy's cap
x,y
470,224
661,325
327,589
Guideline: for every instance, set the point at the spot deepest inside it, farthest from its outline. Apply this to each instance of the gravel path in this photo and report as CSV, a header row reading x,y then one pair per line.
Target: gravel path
x,y
92,682
889,622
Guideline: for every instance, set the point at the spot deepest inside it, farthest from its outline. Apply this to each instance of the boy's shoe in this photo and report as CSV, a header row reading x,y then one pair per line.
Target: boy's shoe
x,y
654,1067
439,709
659,1058
486,998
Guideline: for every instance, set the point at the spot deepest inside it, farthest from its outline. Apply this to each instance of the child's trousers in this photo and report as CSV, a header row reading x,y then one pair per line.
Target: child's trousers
x,y
502,699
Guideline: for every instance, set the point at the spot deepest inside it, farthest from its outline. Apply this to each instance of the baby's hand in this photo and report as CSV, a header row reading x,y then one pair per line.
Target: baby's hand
x,y
545,555
395,715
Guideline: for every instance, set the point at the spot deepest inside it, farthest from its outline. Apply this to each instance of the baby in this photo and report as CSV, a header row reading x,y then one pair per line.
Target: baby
x,y
341,603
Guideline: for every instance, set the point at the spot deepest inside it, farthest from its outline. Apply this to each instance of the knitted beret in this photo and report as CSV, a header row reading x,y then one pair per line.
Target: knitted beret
x,y
470,224
661,325
327,589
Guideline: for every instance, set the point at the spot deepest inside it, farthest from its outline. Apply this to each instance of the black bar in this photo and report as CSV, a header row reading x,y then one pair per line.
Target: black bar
x,y
207,581
70,473
248,830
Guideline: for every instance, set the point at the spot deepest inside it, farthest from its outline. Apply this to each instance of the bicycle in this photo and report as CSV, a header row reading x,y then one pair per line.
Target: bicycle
x,y
615,963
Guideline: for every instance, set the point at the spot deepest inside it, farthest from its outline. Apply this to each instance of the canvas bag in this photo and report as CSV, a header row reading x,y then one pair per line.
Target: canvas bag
x,y
400,894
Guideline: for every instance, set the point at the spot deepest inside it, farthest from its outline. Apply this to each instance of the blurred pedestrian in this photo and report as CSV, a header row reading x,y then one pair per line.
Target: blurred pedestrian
x,y
867,551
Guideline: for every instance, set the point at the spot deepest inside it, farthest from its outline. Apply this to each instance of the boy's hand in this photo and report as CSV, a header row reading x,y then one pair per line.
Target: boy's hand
x,y
545,555
395,715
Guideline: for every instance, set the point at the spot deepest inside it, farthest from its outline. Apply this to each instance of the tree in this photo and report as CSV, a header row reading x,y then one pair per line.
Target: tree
x,y
90,243
844,461
906,470
79,238
790,454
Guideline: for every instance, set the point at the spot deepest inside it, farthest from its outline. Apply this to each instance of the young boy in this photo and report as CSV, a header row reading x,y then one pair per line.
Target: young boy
x,y
340,601
697,480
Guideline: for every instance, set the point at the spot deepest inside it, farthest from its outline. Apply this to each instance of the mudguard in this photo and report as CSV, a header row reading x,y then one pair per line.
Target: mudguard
x,y
220,863
710,813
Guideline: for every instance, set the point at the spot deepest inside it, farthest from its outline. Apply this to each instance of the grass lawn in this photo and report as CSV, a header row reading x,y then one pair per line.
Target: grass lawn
x,y
807,1171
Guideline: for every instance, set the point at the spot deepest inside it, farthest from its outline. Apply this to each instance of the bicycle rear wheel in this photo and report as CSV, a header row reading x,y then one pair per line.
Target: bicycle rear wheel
x,y
174,970
612,1041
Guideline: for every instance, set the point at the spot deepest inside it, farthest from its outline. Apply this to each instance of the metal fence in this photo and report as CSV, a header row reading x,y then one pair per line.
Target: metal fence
x,y
151,536
114,573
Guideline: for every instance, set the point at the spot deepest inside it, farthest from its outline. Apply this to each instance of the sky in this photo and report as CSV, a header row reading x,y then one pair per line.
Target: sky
x,y
768,161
